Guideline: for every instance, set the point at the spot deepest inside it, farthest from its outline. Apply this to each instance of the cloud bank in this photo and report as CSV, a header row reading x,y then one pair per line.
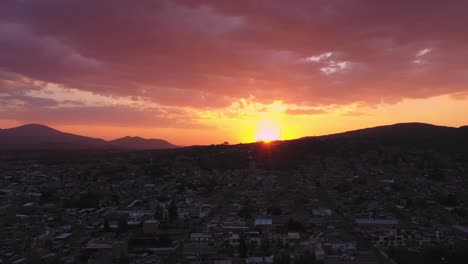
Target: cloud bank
x,y
208,54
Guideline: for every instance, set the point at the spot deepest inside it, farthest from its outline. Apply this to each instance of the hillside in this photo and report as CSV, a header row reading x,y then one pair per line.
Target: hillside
x,y
141,143
397,141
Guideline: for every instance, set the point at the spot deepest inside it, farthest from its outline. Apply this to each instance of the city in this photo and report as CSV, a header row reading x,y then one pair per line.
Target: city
x,y
337,199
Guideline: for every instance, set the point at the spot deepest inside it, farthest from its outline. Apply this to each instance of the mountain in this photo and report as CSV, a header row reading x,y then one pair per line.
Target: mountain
x,y
419,135
400,130
141,143
40,137
406,140
413,133
35,136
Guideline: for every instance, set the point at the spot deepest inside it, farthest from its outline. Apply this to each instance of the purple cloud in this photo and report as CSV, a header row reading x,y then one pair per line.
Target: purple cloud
x,y
208,53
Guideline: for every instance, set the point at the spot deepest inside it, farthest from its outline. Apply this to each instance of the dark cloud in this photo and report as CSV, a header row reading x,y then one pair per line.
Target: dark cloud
x,y
208,53
21,101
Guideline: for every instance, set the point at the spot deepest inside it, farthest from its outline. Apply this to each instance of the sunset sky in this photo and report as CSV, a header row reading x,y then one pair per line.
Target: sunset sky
x,y
202,72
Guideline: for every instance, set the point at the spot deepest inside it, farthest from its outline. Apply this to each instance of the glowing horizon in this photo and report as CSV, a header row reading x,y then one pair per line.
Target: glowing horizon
x,y
244,127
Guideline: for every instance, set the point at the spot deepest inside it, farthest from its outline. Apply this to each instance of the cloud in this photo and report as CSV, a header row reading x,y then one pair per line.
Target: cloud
x,y
20,101
299,111
320,57
459,96
423,52
123,116
355,113
56,105
207,54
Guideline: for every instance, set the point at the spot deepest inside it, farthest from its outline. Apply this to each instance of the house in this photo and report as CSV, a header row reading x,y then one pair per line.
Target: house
x,y
342,247
253,238
322,212
293,238
200,238
461,228
59,240
63,236
263,222
365,221
259,260
150,226
319,253
234,240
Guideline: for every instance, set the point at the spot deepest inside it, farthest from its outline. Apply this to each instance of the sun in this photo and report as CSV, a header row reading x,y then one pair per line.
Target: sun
x,y
267,131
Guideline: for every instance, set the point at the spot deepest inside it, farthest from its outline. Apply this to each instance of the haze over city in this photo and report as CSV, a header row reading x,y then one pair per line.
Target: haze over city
x,y
203,72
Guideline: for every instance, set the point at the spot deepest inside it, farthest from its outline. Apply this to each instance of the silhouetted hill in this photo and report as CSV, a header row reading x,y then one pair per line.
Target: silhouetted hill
x,y
35,136
403,133
40,137
418,134
141,143
415,138
401,130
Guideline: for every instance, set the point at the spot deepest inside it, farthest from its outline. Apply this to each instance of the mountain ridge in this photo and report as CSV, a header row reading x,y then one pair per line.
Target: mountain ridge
x,y
38,136
387,129
140,143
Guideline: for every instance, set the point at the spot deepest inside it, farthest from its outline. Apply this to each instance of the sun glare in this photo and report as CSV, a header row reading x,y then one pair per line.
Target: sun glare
x,y
267,131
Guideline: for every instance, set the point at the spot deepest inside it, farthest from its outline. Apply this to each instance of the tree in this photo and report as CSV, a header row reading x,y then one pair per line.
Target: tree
x,y
87,200
242,246
265,247
115,198
106,225
173,211
295,226
123,225
272,210
306,258
247,210
282,258
123,259
165,241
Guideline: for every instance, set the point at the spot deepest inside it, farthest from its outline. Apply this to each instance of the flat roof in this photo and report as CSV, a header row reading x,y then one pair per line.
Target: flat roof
x,y
63,236
365,221
151,222
464,229
99,246
263,221
294,235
